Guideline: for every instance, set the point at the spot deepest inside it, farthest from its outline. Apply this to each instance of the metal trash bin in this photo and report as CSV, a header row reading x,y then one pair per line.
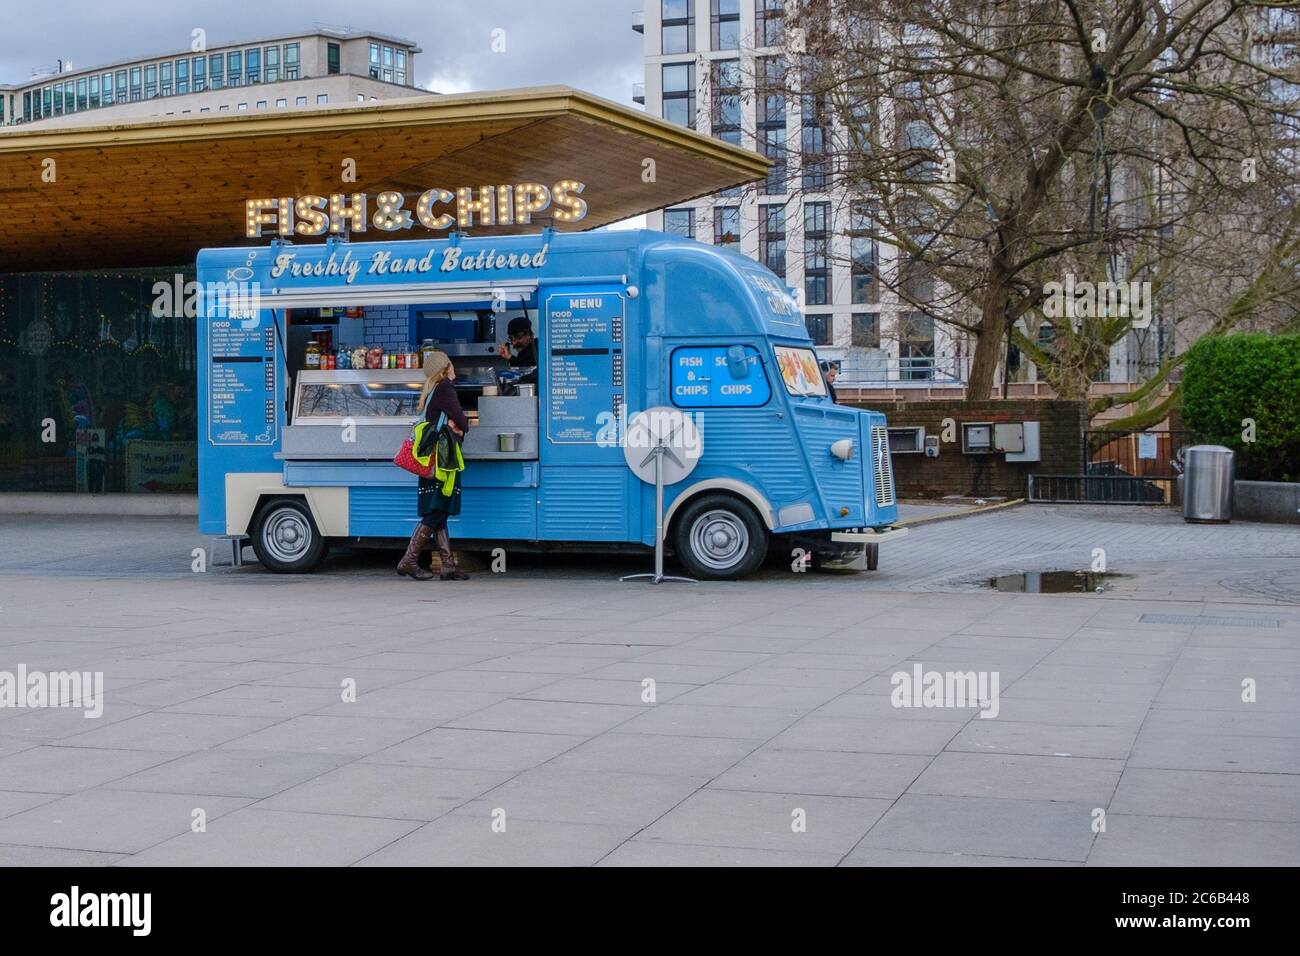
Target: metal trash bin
x,y
1208,474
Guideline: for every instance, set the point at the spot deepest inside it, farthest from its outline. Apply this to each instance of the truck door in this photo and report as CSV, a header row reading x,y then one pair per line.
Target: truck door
x,y
588,371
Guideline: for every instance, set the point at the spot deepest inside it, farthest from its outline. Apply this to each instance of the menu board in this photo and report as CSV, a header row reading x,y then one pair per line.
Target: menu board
x,y
585,381
241,381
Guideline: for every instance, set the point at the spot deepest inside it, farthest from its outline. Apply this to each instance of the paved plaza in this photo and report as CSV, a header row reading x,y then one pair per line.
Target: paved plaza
x,y
551,715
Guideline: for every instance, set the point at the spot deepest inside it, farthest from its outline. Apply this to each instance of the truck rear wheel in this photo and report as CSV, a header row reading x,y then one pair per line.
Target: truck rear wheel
x,y
286,539
720,538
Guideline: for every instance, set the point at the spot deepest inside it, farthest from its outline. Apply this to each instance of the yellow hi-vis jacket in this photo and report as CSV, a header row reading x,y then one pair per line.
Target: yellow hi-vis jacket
x,y
446,477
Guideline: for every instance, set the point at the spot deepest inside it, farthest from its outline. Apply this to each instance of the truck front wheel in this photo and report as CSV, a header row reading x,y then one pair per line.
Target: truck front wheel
x,y
720,538
286,539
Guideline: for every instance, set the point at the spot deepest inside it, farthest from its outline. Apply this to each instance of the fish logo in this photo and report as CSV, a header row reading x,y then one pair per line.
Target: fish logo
x,y
240,273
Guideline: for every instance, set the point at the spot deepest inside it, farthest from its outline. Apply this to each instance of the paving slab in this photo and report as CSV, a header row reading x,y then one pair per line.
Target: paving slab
x,y
458,840
1208,794
138,820
985,826
1061,740
655,754
231,773
1135,840
604,798
256,837
689,720
72,769
1020,777
338,735
386,790
549,716
658,853
768,821
827,774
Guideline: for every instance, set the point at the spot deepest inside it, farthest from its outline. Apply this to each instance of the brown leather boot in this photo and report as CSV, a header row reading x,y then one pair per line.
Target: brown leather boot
x,y
409,565
450,570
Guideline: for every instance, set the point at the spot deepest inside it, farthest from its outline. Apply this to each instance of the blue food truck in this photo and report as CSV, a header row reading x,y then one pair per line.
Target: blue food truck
x,y
309,377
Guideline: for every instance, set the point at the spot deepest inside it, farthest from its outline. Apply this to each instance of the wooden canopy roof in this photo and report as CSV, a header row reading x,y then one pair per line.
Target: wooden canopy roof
x,y
154,192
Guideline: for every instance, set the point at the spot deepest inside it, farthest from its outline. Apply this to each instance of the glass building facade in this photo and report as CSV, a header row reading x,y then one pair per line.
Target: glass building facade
x,y
97,390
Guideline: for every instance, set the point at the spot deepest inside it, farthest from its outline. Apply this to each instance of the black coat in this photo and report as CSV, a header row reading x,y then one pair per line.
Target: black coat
x,y
429,496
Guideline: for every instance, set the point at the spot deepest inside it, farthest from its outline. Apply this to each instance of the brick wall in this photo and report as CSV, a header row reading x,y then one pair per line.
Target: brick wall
x,y
1061,426
387,327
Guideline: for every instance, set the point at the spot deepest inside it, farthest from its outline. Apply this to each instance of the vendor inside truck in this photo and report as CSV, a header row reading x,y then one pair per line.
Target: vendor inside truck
x,y
521,350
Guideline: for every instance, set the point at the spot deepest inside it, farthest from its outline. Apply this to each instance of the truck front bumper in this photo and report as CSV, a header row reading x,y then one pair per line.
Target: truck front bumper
x,y
868,537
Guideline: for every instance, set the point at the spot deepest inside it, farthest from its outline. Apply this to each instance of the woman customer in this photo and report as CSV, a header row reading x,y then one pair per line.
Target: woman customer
x,y
439,496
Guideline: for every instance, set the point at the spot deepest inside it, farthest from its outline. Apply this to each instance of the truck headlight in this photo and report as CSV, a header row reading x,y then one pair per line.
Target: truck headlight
x,y
843,449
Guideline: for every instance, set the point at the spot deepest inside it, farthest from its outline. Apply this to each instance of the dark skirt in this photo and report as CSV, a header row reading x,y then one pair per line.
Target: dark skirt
x,y
430,497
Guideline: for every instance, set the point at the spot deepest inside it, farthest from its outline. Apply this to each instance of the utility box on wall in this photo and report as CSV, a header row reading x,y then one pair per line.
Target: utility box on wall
x,y
1030,444
907,440
977,438
1009,436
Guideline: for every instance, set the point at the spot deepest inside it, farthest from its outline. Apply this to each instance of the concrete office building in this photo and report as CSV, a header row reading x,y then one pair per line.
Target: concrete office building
x,y
316,68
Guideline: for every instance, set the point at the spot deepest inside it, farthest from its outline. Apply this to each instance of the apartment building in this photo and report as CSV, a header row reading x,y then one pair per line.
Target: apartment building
x,y
318,67
703,60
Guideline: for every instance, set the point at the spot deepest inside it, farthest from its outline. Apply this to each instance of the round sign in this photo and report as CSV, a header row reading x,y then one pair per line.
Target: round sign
x,y
669,428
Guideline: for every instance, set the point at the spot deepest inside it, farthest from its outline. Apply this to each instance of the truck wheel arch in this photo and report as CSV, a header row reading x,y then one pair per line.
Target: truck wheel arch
x,y
729,485
248,493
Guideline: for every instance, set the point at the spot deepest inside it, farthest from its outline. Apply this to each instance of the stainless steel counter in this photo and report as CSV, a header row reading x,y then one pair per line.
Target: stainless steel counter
x,y
503,415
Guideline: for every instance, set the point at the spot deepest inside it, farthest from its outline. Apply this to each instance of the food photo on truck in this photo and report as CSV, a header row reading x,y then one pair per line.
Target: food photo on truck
x,y
309,385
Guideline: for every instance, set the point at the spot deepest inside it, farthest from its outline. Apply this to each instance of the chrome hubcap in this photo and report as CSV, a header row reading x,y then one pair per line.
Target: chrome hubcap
x,y
719,540
286,534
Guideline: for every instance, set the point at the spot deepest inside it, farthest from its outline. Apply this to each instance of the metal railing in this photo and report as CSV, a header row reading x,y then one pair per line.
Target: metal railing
x,y
901,371
1101,489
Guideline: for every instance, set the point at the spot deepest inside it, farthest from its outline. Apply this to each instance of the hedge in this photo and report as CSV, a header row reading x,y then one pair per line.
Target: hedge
x,y
1229,379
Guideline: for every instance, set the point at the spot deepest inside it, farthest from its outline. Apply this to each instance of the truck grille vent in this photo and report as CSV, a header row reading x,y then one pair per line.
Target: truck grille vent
x,y
883,465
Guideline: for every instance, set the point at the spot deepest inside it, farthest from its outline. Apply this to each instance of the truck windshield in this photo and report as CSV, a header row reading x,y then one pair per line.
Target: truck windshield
x,y
800,371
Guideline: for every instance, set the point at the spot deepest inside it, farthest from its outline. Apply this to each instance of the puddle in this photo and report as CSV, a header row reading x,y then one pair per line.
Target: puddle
x,y
1053,582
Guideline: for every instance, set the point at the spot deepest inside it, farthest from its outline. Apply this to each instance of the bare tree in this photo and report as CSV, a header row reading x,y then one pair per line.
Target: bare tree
x,y
1006,148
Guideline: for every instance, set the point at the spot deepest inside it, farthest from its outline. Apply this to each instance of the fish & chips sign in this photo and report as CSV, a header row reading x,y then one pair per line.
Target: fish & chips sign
x,y
435,209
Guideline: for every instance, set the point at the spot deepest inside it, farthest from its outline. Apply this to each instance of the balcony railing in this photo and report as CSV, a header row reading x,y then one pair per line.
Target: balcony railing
x,y
638,93
903,372
638,21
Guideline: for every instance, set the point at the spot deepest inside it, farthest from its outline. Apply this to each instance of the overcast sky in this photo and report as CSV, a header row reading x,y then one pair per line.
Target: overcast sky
x,y
589,44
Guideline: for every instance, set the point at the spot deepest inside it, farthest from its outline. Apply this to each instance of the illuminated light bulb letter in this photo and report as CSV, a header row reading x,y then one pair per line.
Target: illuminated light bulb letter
x,y
530,198
505,205
467,205
389,214
258,216
572,208
286,216
312,220
354,214
424,209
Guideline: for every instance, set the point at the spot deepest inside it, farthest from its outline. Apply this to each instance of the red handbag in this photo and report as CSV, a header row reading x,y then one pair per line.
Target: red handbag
x,y
405,460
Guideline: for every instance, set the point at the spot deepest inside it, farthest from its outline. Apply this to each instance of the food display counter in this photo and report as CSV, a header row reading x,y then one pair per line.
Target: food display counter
x,y
365,415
